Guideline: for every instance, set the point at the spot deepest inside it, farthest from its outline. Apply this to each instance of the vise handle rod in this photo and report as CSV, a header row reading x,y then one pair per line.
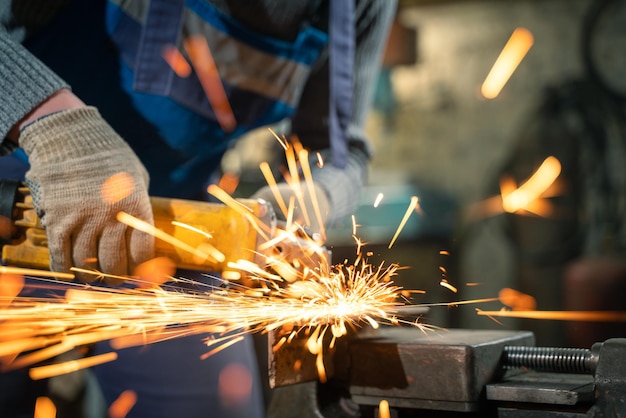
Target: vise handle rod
x,y
552,359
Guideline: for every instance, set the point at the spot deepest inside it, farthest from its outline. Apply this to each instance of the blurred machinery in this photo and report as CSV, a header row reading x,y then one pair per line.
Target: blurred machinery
x,y
573,259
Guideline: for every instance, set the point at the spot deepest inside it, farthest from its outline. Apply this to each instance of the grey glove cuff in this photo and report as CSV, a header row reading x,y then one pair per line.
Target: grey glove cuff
x,y
343,186
83,132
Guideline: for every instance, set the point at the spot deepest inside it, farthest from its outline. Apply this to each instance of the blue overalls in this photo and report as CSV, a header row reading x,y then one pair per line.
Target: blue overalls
x,y
114,63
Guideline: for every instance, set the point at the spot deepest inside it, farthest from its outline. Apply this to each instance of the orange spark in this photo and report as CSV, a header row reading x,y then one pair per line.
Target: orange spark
x,y
98,274
203,253
155,272
123,404
524,196
192,228
271,182
291,208
39,355
444,283
303,157
510,57
234,384
44,408
294,182
279,139
379,199
354,225
44,372
383,409
229,182
321,370
320,160
11,285
176,61
529,197
460,302
231,275
408,292
242,209
587,316
279,344
35,272
516,300
117,187
299,179
409,211
221,347
200,55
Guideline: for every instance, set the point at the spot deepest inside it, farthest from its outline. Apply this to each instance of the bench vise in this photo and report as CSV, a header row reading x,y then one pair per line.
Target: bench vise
x,y
451,373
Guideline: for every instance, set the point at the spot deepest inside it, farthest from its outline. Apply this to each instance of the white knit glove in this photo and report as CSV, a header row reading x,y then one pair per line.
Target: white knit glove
x,y
73,154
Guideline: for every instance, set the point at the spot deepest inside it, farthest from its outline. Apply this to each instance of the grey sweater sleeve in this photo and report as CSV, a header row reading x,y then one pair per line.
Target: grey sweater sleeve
x,y
310,124
25,82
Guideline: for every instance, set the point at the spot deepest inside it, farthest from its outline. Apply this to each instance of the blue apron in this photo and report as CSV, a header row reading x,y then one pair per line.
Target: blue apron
x,y
114,63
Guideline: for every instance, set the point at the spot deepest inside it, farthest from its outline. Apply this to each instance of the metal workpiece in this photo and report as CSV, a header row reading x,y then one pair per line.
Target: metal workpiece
x,y
436,370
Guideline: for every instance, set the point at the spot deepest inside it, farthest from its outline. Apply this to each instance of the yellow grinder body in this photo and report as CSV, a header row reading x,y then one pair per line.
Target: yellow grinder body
x,y
195,223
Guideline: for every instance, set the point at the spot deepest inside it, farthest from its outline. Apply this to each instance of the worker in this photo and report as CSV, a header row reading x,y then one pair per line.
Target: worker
x,y
86,95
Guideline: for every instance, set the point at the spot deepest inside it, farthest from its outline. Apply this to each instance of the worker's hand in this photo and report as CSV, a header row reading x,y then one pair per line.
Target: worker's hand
x,y
305,213
82,174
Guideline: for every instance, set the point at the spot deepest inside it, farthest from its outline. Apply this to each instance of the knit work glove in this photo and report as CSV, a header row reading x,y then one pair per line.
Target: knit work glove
x,y
82,174
311,211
